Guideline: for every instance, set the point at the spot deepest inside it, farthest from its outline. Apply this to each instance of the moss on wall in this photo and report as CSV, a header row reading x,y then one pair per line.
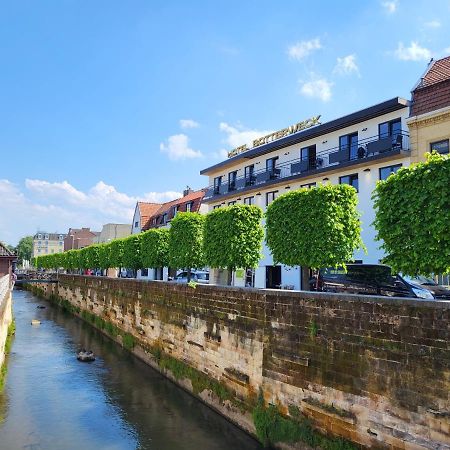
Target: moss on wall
x,y
272,427
8,344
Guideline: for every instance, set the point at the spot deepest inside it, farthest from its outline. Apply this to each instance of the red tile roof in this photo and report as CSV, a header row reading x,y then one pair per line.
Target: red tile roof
x,y
195,197
433,90
437,71
146,210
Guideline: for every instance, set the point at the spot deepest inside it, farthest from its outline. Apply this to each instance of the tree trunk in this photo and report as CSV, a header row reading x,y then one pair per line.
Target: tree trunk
x,y
230,276
306,275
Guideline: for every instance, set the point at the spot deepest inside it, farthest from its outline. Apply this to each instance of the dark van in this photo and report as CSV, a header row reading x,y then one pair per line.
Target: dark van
x,y
365,279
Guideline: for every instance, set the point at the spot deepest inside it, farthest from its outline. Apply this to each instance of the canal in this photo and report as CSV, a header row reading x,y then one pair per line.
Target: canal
x,y
52,401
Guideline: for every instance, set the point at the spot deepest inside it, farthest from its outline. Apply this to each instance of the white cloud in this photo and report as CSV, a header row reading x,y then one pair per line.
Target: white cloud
x,y
346,65
433,24
188,123
302,49
316,88
56,206
390,6
177,148
412,53
220,154
238,135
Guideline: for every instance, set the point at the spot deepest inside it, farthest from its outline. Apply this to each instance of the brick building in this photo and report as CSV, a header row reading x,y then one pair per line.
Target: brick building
x,y
78,238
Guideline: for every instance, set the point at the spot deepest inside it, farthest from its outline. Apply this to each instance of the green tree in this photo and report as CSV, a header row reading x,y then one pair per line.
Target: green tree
x,y
186,241
131,258
413,217
116,253
155,248
25,248
233,238
104,256
315,228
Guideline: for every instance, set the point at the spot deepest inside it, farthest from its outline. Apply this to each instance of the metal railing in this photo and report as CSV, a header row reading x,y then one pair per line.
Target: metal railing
x,y
332,158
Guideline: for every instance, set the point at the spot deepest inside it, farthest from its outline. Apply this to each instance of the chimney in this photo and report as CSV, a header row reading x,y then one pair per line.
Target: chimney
x,y
187,191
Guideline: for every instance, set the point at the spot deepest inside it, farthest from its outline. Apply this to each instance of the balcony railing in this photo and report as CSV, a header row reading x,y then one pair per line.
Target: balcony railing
x,y
329,159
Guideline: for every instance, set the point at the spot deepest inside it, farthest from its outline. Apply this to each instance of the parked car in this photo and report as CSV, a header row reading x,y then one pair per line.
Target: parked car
x,y
366,279
439,292
198,276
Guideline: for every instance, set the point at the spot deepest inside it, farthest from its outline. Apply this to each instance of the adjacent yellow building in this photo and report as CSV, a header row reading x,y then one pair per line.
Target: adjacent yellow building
x,y
429,121
47,243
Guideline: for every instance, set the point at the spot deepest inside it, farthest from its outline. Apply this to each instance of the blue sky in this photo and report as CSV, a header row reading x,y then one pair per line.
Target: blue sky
x,y
105,102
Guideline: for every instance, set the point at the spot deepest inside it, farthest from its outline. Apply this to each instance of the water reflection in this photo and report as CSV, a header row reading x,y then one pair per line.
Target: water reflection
x,y
116,402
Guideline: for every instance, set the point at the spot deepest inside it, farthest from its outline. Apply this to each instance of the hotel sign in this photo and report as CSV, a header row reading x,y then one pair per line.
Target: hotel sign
x,y
277,135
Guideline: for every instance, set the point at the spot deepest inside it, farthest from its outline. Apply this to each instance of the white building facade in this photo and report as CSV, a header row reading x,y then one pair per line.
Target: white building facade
x,y
358,149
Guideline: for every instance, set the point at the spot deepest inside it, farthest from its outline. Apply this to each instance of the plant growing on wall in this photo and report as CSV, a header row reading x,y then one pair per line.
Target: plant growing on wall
x,y
233,237
131,258
315,228
186,241
154,248
413,217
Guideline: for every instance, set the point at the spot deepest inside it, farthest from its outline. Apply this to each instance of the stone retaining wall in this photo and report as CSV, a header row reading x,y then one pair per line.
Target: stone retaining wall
x,y
373,370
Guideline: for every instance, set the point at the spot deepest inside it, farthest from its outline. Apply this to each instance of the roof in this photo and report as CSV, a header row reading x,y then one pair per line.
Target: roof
x,y
194,197
146,210
4,251
51,236
436,72
379,109
432,92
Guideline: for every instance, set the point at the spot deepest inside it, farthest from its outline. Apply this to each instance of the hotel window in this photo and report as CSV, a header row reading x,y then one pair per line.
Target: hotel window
x,y
391,128
270,197
349,144
352,180
386,171
217,184
250,175
440,146
232,180
249,200
309,154
233,202
308,185
271,167
189,206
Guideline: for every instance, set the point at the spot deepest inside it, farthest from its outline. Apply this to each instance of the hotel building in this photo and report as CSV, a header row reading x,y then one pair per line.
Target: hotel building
x,y
358,149
47,243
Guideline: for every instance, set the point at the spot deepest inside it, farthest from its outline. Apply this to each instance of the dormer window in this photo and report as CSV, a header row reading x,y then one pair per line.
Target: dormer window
x,y
189,206
46,236
164,218
175,210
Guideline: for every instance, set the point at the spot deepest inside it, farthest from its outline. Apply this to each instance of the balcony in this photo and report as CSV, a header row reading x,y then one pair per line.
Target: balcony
x,y
367,150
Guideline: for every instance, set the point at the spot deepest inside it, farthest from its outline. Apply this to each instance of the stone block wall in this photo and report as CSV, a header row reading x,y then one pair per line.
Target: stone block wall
x,y
373,370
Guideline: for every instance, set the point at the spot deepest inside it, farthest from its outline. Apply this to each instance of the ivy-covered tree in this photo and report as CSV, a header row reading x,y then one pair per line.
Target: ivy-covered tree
x,y
315,228
155,248
186,241
233,238
413,217
131,258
